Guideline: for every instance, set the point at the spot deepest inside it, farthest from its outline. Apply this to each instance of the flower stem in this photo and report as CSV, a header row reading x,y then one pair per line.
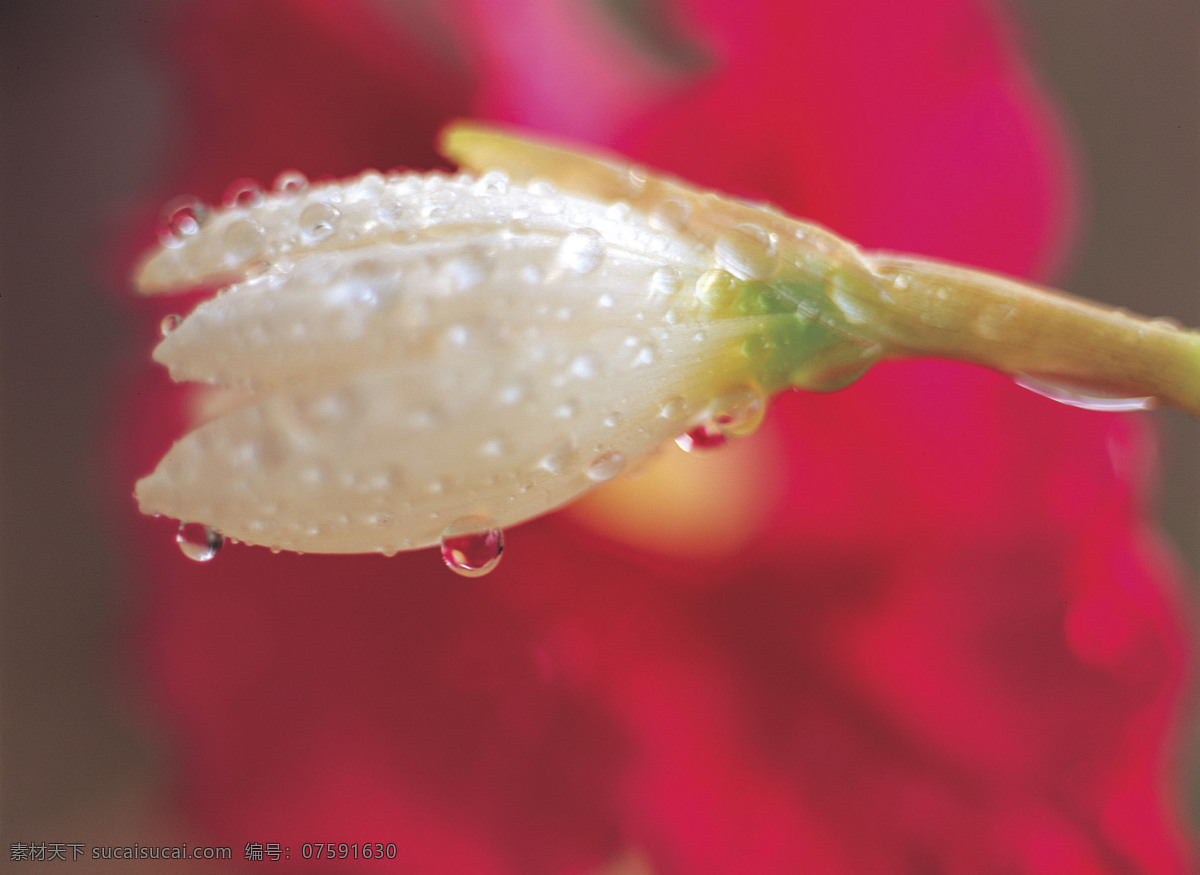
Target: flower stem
x,y
928,308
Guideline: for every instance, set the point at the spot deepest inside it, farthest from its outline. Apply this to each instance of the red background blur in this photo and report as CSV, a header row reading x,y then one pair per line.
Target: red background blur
x,y
84,122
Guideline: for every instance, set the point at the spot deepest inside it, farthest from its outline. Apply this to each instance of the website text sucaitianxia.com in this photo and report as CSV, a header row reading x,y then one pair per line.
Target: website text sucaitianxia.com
x,y
41,852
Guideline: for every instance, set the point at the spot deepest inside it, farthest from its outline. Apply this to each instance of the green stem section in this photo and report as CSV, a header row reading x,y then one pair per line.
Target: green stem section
x,y
927,308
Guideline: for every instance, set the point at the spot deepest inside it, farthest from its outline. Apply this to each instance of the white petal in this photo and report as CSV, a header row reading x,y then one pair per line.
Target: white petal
x,y
384,459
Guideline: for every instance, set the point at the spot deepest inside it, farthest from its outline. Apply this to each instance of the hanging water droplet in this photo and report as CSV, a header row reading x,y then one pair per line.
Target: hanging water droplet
x,y
1085,398
198,542
606,466
739,410
471,545
749,252
291,183
581,251
244,239
736,412
182,219
169,323
244,193
318,221
705,436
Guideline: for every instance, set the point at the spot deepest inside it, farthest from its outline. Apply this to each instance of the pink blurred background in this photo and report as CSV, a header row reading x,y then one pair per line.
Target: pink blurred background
x,y
84,126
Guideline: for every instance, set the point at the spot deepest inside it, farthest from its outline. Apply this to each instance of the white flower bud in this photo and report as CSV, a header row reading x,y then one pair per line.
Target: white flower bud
x,y
416,349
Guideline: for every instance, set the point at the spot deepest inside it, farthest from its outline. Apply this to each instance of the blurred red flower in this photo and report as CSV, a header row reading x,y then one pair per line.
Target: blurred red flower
x,y
921,625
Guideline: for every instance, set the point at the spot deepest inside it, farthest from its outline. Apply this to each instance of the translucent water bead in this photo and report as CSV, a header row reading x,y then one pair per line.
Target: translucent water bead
x,y
472,546
198,542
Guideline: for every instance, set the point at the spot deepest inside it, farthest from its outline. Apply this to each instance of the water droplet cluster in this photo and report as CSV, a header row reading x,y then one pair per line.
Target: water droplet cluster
x,y
297,216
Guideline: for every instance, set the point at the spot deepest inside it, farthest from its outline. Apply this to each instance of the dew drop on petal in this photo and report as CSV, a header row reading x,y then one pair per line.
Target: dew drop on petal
x,y
619,211
244,238
583,367
318,221
169,323
243,193
665,282
1087,399
670,215
493,182
464,272
472,546
749,252
291,182
368,185
673,408
182,219
581,251
198,542
646,355
716,289
606,466
557,460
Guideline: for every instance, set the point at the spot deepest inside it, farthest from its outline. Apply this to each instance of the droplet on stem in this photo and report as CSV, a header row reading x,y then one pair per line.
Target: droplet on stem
x,y
472,546
1078,396
198,542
